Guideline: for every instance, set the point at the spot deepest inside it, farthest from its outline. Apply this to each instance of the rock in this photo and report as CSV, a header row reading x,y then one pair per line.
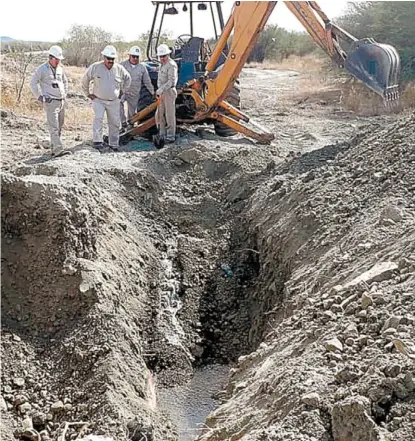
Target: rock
x,y
44,435
3,404
351,421
25,407
381,271
58,406
27,423
311,399
39,419
366,300
334,344
19,399
16,338
30,434
392,213
349,341
18,381
389,331
351,330
392,322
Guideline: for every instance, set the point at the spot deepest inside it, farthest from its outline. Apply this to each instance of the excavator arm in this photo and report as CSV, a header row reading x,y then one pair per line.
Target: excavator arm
x,y
376,65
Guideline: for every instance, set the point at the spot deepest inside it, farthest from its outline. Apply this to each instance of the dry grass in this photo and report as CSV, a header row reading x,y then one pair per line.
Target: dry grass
x,y
359,99
299,64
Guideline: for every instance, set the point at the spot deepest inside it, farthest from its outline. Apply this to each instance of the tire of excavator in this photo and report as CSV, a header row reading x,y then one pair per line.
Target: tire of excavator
x,y
234,99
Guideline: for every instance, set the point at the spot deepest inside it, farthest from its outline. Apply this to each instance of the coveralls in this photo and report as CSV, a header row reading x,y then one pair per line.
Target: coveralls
x,y
107,87
166,111
139,77
54,88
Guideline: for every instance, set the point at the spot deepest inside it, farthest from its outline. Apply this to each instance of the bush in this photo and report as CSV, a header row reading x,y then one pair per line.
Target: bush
x,y
277,44
84,44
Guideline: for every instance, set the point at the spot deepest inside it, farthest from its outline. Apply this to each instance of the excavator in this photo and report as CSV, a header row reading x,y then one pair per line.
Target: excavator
x,y
208,89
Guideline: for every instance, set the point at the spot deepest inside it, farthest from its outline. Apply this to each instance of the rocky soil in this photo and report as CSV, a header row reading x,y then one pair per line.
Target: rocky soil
x,y
294,263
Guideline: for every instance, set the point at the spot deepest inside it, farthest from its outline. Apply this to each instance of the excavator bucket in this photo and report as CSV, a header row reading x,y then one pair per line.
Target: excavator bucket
x,y
377,65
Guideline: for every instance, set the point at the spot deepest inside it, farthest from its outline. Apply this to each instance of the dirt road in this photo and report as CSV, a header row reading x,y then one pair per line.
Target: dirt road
x,y
293,263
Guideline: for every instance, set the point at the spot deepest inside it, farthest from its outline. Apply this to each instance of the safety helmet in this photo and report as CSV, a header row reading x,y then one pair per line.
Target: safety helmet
x,y
135,50
56,51
163,49
109,51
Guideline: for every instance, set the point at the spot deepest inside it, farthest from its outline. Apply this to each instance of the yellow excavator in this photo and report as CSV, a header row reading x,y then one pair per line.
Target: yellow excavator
x,y
207,88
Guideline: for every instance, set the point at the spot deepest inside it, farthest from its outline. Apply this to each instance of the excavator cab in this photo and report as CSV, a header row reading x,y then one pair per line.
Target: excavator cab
x,y
190,51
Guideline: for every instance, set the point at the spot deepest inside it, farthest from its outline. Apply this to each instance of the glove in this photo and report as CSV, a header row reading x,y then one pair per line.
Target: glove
x,y
123,98
159,92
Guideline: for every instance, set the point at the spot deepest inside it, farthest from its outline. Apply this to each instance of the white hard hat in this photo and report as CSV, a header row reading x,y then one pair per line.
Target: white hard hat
x,y
163,49
56,51
109,51
134,50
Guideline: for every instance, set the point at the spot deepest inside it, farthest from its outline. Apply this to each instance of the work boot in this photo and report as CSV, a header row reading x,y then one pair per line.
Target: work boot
x,y
59,151
99,146
170,141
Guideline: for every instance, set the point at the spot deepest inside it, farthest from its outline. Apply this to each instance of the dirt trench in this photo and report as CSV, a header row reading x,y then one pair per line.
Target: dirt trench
x,y
125,271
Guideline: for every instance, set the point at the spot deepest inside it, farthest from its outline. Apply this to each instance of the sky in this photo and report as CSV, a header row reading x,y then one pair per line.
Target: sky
x,y
44,20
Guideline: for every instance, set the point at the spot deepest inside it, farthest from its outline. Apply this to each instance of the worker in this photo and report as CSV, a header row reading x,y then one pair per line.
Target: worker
x,y
139,78
167,94
110,80
53,83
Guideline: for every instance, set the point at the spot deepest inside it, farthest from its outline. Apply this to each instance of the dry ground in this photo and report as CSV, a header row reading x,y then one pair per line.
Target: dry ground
x,y
123,267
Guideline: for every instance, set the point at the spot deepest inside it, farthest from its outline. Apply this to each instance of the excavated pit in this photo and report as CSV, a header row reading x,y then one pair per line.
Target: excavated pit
x,y
189,262
139,264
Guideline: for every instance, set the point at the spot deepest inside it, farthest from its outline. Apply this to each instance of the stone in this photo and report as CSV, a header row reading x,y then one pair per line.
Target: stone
x,y
366,300
18,381
351,330
27,423
3,404
58,406
349,341
378,273
311,399
389,331
392,322
19,399
30,434
334,344
351,420
391,212
25,407
16,338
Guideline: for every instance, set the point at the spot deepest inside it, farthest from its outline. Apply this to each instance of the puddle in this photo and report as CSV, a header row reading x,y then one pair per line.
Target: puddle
x,y
190,404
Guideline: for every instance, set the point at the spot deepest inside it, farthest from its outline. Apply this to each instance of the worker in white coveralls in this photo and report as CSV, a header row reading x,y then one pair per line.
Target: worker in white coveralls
x,y
51,79
167,93
139,78
110,80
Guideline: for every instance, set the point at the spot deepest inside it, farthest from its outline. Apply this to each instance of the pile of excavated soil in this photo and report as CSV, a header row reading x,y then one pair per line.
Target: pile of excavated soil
x,y
335,240
121,268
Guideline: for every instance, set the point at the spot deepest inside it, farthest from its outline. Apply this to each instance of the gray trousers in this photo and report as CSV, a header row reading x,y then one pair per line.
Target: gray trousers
x,y
166,114
112,109
132,102
55,116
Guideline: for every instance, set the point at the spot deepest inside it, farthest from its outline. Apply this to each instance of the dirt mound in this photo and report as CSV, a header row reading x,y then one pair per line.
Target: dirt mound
x,y
336,256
